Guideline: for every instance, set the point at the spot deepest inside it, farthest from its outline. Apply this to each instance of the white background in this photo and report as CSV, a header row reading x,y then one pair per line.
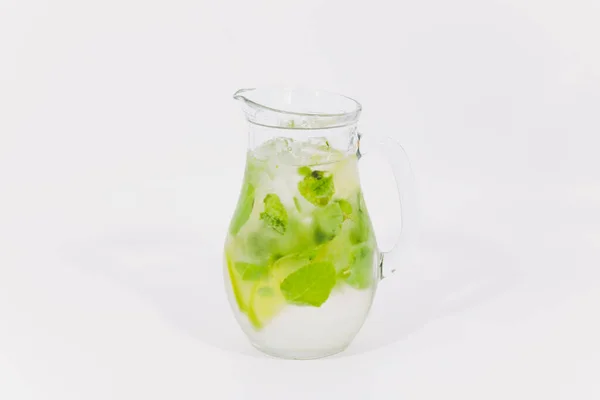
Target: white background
x,y
121,156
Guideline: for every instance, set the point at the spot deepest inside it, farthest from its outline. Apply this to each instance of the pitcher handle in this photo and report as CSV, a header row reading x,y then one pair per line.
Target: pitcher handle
x,y
400,253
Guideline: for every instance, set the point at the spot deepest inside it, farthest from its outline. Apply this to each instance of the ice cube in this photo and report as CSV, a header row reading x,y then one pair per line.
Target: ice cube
x,y
313,150
290,156
318,142
273,147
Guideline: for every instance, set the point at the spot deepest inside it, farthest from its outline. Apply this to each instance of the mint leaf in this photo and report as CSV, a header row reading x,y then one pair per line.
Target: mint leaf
x,y
260,245
346,208
292,262
304,171
298,237
328,222
360,229
250,272
265,245
243,209
360,271
275,214
317,187
361,225
310,285
297,204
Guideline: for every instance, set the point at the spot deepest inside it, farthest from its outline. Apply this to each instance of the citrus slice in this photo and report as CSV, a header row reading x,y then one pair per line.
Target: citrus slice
x,y
266,301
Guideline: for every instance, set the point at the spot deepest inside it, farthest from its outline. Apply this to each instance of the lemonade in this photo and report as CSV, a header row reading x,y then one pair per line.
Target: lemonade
x,y
300,256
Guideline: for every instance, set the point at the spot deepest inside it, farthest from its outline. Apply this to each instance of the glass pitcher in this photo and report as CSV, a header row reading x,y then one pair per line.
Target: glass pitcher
x,y
301,261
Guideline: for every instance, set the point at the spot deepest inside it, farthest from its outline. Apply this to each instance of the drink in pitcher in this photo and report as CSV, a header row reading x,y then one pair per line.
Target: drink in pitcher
x,y
300,252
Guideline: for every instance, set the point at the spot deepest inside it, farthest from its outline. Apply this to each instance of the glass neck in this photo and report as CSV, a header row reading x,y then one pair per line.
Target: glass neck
x,y
343,139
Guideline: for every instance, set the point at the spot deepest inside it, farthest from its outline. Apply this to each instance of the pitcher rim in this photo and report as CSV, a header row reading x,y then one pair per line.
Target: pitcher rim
x,y
358,107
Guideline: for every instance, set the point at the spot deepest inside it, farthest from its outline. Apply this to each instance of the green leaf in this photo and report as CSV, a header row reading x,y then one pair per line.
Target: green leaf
x,y
275,214
360,271
304,171
346,208
265,245
250,272
297,204
361,225
254,170
310,285
243,209
317,187
361,229
328,222
294,261
260,245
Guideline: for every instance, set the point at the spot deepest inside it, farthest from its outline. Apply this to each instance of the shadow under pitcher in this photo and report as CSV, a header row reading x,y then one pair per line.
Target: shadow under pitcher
x,y
301,261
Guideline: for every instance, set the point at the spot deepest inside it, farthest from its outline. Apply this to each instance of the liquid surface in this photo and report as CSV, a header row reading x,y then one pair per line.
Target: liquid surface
x,y
301,241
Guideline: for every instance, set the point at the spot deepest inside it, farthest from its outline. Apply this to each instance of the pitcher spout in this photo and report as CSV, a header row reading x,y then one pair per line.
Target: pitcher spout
x,y
243,94
297,108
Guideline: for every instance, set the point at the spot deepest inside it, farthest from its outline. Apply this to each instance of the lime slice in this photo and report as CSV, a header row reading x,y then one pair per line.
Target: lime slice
x,y
336,251
242,291
266,301
259,299
345,178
